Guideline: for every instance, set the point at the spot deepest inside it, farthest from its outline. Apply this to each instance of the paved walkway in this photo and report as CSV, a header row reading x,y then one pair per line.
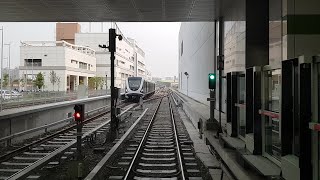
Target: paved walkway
x,y
201,149
195,110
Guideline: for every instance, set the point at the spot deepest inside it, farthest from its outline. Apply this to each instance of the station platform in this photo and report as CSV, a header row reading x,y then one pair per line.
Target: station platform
x,y
231,150
21,123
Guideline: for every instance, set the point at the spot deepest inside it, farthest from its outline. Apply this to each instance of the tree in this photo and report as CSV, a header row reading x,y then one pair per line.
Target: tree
x,y
5,81
58,79
39,81
53,78
102,83
95,82
23,81
91,83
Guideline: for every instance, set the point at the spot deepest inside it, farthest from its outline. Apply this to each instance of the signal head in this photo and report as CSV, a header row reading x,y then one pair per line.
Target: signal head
x,y
212,81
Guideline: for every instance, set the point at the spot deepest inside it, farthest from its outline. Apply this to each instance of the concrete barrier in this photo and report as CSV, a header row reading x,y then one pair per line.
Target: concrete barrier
x,y
17,120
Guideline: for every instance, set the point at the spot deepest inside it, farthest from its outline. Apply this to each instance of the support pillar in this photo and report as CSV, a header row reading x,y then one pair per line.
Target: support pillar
x,y
257,33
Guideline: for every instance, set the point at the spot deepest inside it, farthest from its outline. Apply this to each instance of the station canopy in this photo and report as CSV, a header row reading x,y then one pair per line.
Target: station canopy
x,y
114,10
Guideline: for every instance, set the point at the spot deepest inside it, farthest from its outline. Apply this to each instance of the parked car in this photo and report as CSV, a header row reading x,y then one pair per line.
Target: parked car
x,y
15,94
5,94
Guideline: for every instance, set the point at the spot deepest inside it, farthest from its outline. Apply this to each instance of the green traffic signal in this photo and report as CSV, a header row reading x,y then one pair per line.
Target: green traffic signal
x,y
212,81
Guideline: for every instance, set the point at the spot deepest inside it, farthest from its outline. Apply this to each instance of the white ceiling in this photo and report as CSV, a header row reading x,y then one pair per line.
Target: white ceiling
x,y
110,10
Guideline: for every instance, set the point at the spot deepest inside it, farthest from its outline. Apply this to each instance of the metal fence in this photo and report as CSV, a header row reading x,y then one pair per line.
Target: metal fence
x,y
37,98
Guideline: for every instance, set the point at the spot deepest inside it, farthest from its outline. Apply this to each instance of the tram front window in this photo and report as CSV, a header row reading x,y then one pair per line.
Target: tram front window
x,y
272,124
134,83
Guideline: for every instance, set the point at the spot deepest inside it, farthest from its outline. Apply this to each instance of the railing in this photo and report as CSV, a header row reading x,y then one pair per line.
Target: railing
x,y
10,101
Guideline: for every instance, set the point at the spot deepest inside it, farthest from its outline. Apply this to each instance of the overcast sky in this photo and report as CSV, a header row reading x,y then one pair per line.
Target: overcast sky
x,y
158,40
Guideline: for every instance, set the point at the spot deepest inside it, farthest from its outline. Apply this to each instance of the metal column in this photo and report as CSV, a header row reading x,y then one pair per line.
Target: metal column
x,y
234,98
219,59
253,105
296,113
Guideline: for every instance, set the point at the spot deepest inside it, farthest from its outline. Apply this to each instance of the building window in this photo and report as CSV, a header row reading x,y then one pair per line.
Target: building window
x,y
82,65
140,63
131,67
74,61
33,62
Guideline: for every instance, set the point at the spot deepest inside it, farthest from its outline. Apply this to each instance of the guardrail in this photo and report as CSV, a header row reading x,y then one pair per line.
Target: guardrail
x,y
37,98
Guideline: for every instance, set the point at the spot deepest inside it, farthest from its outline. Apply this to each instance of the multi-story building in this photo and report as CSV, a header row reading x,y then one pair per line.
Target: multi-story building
x,y
66,31
75,56
129,57
71,64
139,59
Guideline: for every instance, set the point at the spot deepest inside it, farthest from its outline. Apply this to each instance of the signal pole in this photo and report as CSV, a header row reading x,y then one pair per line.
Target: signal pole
x,y
112,50
79,118
220,63
212,89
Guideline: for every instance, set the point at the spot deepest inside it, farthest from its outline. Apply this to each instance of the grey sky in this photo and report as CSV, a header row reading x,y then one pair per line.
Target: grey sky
x,y
158,40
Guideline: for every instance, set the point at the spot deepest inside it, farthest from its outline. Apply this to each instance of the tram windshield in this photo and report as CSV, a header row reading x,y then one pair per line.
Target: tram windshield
x,y
134,82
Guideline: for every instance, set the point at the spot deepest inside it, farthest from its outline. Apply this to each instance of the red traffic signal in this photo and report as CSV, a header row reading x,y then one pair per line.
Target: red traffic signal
x,y
77,115
79,112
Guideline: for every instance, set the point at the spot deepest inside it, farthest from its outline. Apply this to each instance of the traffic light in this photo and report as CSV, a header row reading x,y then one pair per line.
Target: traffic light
x,y
212,81
112,40
78,112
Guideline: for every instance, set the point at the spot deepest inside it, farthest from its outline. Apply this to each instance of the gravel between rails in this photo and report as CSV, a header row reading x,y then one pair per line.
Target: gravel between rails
x,y
68,170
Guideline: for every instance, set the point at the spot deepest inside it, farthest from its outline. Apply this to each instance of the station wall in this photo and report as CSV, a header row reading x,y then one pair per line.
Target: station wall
x,y
196,57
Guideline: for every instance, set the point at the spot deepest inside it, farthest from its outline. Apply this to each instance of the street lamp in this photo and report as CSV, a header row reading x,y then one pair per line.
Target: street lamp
x,y
1,66
187,74
9,72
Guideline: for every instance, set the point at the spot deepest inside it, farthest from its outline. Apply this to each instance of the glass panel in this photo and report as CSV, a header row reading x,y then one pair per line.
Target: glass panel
x,y
272,125
241,100
318,66
224,94
275,32
296,119
134,83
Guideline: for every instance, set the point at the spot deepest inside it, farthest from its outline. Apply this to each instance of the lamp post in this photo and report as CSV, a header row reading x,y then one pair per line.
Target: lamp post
x,y
9,72
186,73
1,66
32,76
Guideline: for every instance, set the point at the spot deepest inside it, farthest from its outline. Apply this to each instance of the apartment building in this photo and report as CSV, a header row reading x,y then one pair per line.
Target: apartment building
x,y
71,64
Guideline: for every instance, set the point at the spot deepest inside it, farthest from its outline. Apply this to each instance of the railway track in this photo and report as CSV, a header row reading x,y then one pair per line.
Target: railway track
x,y
20,163
159,148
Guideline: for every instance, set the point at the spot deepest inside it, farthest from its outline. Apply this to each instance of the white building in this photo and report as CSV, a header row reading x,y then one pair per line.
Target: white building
x,y
128,56
196,57
139,58
71,63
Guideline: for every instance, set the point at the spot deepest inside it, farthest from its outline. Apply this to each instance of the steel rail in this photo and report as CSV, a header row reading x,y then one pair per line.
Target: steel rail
x,y
177,141
7,156
27,170
98,167
15,135
23,173
141,142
